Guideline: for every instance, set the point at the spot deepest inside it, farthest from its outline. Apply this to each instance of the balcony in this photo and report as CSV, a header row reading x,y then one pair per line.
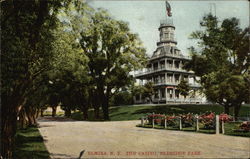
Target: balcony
x,y
181,100
173,69
170,55
160,83
167,40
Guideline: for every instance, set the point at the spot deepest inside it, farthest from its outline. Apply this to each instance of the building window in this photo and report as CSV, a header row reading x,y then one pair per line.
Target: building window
x,y
163,93
156,94
177,94
172,35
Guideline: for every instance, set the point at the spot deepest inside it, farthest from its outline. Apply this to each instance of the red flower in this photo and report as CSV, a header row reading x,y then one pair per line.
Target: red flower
x,y
245,125
225,117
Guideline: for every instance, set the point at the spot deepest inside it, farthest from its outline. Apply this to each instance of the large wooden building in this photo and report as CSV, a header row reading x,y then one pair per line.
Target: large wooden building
x,y
165,70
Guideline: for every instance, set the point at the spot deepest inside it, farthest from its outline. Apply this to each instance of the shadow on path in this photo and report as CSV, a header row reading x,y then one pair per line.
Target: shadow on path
x,y
57,119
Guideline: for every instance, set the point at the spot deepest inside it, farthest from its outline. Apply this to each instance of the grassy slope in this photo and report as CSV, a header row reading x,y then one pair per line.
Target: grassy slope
x,y
135,112
29,144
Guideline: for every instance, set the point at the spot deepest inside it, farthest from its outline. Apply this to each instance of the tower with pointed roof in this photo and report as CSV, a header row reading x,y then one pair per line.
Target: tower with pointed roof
x,y
165,69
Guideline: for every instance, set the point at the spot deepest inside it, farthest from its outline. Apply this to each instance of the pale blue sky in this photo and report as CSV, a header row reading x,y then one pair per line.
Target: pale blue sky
x,y
144,17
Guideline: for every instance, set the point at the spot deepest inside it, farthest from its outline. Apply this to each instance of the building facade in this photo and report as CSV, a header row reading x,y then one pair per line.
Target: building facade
x,y
165,70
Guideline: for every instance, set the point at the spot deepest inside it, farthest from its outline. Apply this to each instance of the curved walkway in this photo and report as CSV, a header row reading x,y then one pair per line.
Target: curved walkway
x,y
121,139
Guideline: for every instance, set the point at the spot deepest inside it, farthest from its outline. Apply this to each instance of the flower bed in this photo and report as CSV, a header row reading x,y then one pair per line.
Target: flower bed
x,y
206,123
187,120
245,126
225,118
158,118
208,120
172,121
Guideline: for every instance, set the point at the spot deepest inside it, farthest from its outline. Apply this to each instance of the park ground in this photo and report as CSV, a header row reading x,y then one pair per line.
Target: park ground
x,y
121,139
66,138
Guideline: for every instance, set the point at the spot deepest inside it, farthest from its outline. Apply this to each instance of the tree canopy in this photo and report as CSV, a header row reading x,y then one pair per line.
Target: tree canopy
x,y
113,52
61,52
222,61
28,51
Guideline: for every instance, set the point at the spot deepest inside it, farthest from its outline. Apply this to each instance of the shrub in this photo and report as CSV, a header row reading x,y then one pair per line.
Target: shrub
x,y
225,118
158,118
245,126
172,120
207,119
187,120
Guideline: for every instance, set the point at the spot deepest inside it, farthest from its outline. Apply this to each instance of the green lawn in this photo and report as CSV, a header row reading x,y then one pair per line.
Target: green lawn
x,y
29,145
231,129
135,112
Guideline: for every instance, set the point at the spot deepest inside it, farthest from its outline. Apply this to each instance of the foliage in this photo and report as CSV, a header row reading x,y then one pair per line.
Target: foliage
x,y
233,128
230,129
208,120
183,88
146,91
187,120
32,44
25,53
245,126
172,120
222,61
225,118
113,52
156,117
122,98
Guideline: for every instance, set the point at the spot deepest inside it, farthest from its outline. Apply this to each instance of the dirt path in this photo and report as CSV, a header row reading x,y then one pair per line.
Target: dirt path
x,y
66,139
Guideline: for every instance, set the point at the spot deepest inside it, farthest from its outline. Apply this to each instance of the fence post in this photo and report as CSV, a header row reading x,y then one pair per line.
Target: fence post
x,y
153,121
197,122
142,121
165,122
222,127
217,125
180,124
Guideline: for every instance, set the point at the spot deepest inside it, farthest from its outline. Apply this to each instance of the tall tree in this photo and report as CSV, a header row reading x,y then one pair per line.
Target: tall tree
x,y
113,53
27,29
222,61
26,37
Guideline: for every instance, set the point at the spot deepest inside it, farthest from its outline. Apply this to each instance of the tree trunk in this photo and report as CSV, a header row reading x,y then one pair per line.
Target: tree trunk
x,y
31,114
97,112
236,111
41,112
226,109
105,111
8,131
37,112
68,112
35,116
22,118
85,112
96,104
22,121
54,111
31,119
105,105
